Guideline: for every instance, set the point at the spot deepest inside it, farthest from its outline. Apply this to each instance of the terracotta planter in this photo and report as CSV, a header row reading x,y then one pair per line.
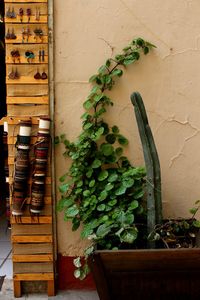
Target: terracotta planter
x,y
147,274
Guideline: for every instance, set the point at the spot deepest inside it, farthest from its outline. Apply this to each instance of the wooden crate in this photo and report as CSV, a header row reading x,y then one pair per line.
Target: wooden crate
x,y
28,98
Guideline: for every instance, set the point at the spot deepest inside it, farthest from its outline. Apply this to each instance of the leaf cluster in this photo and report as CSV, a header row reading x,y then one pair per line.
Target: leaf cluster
x,y
101,189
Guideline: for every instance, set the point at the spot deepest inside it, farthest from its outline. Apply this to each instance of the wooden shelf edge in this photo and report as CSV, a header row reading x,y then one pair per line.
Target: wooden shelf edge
x,y
33,276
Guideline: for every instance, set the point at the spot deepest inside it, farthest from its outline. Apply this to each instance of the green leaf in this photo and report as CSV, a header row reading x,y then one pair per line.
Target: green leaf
x,y
103,195
85,116
107,149
112,202
64,188
56,140
134,204
62,178
92,183
89,173
68,202
96,164
109,186
98,133
97,98
92,78
193,210
146,50
129,61
72,211
101,207
95,89
129,236
87,230
103,175
103,230
120,191
139,194
77,262
115,129
196,223
88,104
117,72
102,69
113,177
89,250
111,138
87,125
119,151
108,63
122,140
77,273
86,193
75,224
128,182
140,42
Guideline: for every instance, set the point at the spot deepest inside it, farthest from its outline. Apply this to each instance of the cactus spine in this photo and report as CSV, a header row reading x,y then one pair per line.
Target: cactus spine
x,y
154,201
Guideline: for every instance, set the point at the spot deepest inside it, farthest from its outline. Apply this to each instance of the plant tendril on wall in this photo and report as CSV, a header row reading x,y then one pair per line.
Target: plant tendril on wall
x,y
102,189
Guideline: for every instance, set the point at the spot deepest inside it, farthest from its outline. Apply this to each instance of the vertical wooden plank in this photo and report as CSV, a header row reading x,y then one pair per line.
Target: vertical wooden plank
x,y
51,288
17,289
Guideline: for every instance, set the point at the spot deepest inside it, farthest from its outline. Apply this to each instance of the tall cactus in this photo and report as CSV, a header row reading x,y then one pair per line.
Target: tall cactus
x,y
154,201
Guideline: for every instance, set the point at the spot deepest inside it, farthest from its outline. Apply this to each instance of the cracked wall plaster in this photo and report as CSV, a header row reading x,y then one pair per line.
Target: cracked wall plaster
x,y
86,33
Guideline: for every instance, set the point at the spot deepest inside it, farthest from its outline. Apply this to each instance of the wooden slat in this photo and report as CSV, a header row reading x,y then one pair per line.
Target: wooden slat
x,y
44,267
31,40
23,60
33,229
15,120
21,100
32,258
23,48
26,80
27,109
31,277
47,180
25,19
31,248
24,90
31,239
33,220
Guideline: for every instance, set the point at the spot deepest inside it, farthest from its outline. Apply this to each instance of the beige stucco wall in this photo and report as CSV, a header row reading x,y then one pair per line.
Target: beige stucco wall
x,y
89,31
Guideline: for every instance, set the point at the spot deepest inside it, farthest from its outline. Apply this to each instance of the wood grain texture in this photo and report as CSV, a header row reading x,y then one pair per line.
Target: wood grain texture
x,y
43,267
25,1
33,220
32,258
27,100
31,239
147,274
30,248
33,229
27,90
32,110
36,276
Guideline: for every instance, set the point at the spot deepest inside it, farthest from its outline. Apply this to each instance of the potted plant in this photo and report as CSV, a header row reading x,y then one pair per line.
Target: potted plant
x,y
118,204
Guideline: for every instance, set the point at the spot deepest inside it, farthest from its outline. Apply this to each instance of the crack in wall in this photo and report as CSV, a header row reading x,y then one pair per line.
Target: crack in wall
x,y
108,44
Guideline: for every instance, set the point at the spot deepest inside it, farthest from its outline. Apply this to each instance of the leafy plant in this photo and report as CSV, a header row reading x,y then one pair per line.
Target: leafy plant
x,y
101,189
177,233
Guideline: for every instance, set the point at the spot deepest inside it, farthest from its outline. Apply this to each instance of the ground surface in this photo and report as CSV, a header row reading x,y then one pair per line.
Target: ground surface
x,y
7,294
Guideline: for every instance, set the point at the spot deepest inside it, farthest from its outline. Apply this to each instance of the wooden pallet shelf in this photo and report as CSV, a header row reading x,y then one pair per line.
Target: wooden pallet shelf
x,y
28,98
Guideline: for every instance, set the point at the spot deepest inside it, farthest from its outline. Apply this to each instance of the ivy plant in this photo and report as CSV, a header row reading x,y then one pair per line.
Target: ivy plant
x,y
102,190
